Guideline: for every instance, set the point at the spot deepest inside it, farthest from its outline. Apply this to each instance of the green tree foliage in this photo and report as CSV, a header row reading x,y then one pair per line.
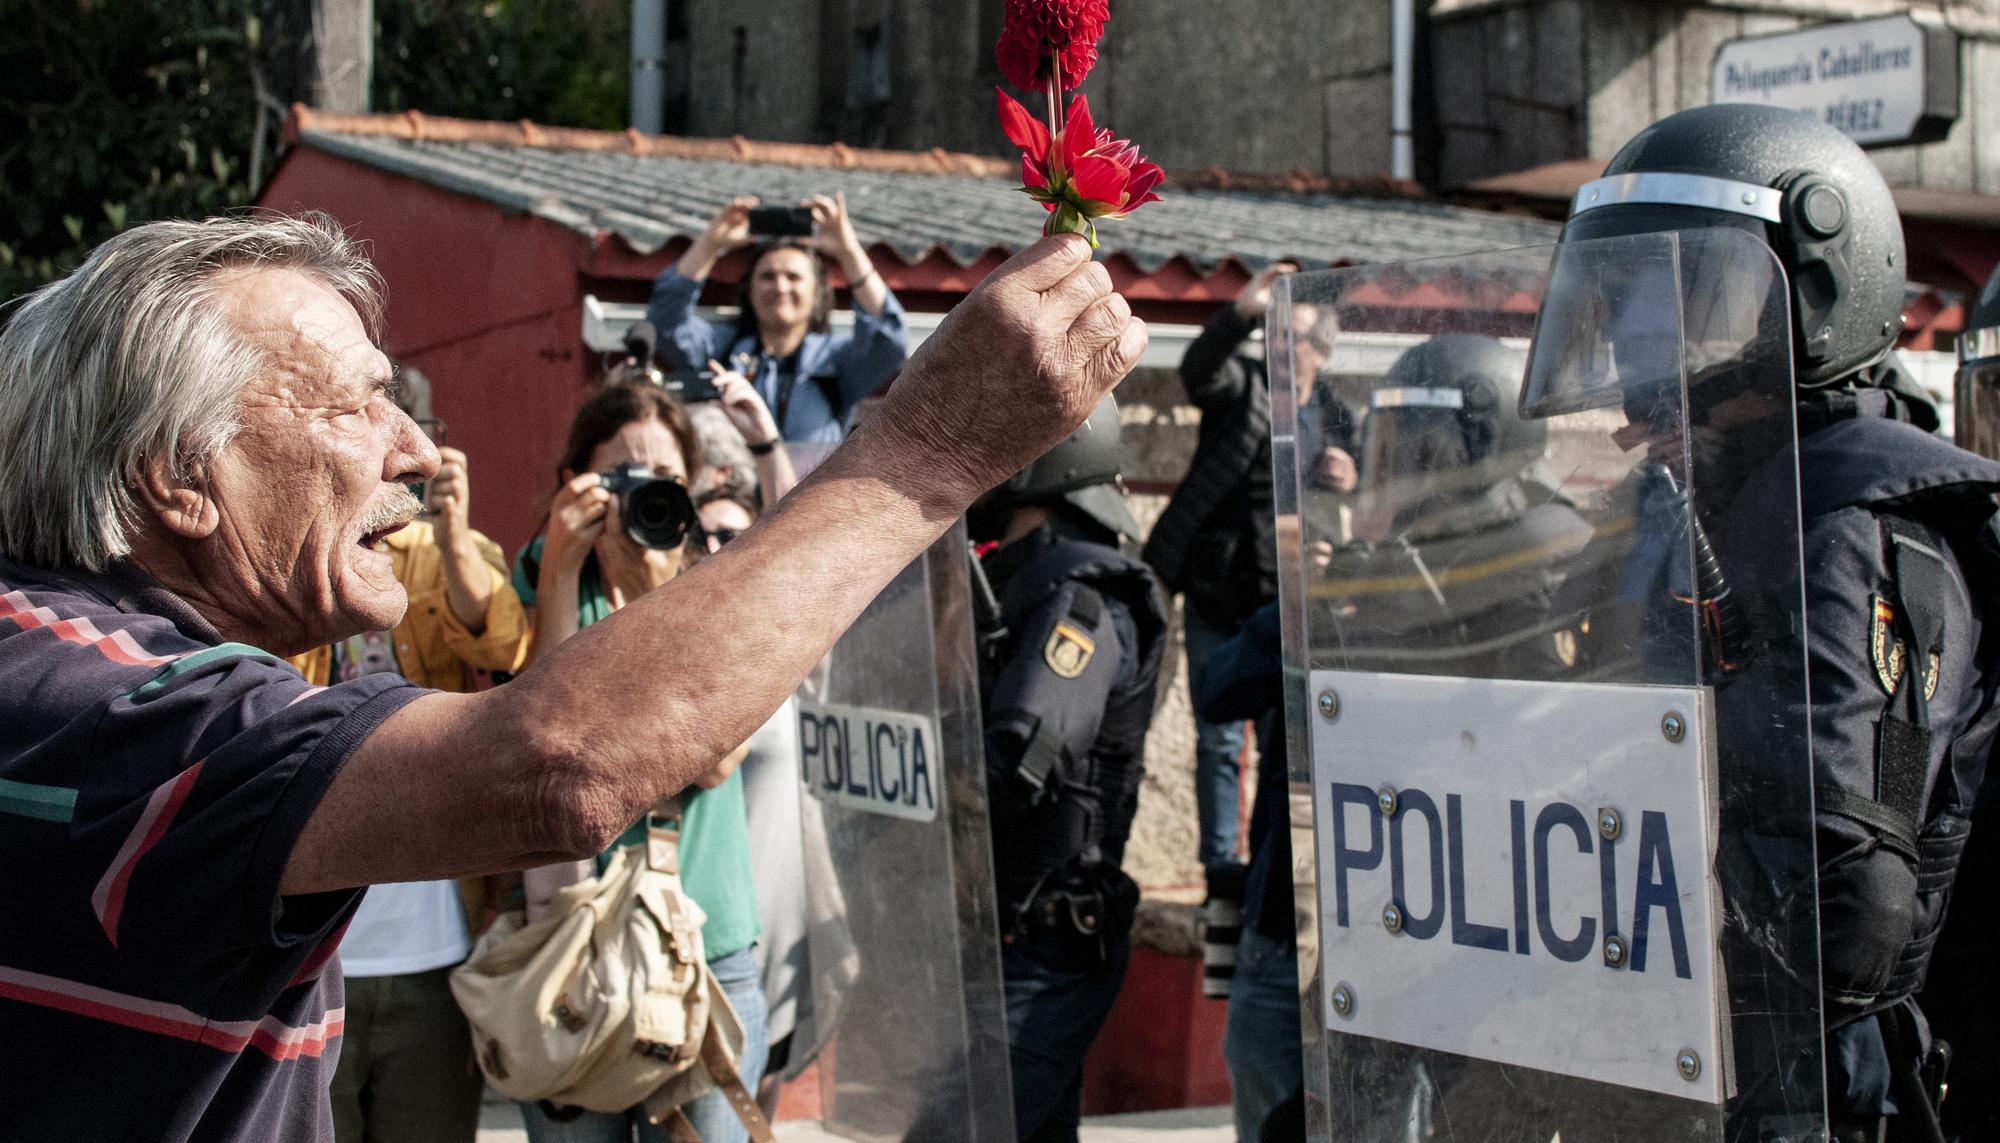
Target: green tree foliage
x,y
559,62
116,112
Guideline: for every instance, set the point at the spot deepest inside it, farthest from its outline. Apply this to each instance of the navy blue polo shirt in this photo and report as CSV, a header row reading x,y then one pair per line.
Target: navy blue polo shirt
x,y
154,984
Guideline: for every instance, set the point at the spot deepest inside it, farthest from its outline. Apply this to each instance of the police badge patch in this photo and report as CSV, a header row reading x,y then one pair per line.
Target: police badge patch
x,y
1068,651
1889,652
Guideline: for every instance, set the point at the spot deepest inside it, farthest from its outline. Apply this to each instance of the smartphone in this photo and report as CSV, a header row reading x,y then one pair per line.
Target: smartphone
x,y
691,385
781,221
433,428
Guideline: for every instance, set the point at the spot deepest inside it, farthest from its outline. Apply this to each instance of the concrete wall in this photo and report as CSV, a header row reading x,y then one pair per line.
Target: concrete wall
x,y
1279,85
1519,83
1262,85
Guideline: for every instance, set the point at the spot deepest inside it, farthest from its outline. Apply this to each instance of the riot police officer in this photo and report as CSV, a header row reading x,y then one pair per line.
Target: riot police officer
x,y
1899,542
1071,648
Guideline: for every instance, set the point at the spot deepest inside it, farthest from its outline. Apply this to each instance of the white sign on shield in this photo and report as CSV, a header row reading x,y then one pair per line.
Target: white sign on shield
x,y
879,761
1522,872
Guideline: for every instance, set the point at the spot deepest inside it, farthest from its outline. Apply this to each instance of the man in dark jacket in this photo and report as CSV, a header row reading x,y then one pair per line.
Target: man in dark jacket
x,y
1214,542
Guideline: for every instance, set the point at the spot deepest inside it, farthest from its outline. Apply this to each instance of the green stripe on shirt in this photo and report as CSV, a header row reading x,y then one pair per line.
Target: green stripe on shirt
x,y
201,658
49,803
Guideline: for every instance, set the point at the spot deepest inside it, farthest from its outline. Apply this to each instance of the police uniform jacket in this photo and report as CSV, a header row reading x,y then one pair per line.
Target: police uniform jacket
x,y
1903,659
1067,703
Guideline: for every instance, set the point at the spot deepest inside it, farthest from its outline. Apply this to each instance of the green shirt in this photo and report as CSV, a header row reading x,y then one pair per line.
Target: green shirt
x,y
715,837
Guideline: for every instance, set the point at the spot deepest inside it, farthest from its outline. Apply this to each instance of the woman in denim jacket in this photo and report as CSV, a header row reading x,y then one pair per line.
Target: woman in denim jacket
x,y
782,340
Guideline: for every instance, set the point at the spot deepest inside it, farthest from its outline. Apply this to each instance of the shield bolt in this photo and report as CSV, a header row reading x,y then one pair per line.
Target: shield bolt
x,y
1614,951
1392,917
1689,1064
1329,704
1609,824
1385,800
1673,727
1343,1001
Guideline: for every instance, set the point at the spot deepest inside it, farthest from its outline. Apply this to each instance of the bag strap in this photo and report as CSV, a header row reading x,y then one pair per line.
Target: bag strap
x,y
728,1081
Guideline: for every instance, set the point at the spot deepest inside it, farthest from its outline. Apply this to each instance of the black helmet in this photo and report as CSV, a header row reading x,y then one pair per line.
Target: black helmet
x,y
1461,391
1081,472
1806,189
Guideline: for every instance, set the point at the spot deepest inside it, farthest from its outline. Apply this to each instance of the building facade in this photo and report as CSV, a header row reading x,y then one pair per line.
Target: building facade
x,y
1497,86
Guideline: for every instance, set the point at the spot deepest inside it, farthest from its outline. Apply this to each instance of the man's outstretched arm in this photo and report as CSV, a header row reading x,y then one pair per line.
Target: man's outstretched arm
x,y
555,764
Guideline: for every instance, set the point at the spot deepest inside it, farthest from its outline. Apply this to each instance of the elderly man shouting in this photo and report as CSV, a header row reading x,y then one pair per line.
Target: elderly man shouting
x,y
199,461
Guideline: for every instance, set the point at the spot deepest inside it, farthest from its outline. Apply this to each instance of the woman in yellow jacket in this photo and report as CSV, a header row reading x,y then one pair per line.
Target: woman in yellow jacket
x,y
406,1070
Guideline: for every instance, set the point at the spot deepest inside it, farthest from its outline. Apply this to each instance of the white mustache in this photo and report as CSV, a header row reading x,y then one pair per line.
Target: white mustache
x,y
401,508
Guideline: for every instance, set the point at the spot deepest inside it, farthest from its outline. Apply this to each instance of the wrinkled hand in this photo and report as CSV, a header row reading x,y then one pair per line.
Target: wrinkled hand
x,y
730,228
833,232
1254,300
576,521
746,408
1014,368
1335,470
448,495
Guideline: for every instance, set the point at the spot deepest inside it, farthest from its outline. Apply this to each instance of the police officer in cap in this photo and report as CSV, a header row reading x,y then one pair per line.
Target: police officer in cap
x,y
1902,575
1071,635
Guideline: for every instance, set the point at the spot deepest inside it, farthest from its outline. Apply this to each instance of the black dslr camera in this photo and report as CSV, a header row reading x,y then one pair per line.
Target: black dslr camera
x,y
657,511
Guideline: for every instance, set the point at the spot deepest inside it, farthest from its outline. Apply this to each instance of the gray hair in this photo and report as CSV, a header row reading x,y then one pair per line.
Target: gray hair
x,y
727,469
131,359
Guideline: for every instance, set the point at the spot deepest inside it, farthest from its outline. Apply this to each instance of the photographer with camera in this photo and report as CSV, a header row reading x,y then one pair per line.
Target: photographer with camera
x,y
782,340
618,527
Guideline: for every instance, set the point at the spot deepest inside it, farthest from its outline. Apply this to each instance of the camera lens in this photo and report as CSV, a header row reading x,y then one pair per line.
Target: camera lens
x,y
657,513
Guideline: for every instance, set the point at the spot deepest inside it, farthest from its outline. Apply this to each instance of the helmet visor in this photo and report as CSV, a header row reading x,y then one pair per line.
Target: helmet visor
x,y
1637,313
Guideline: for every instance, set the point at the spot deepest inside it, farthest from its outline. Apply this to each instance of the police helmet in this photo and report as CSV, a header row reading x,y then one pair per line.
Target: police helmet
x,y
1805,189
1081,472
1452,402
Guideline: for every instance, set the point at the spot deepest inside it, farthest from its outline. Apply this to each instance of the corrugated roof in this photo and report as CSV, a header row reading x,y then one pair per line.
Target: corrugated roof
x,y
649,191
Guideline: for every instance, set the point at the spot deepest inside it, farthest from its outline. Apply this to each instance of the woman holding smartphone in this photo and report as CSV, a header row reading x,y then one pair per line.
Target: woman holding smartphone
x,y
782,339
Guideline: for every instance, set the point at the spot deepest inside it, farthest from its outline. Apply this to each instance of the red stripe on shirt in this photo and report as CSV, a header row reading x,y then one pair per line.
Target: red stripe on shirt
x,y
270,1035
321,955
166,801
119,646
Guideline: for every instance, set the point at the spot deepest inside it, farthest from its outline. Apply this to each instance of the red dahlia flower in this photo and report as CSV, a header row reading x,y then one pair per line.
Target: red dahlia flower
x,y
1042,40
1080,174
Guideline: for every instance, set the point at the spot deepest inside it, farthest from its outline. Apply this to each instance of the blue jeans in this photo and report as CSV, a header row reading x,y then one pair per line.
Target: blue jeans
x,y
1217,748
1261,1042
1053,1014
711,1114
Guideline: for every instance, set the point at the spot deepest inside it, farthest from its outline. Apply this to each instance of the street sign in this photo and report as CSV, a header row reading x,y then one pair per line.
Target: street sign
x,y
1881,82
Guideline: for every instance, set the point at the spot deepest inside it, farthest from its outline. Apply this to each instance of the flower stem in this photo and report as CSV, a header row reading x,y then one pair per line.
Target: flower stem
x,y
1055,87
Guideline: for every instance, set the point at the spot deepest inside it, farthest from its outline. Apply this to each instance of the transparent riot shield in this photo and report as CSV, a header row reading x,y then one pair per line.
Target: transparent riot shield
x,y
1547,696
891,756
1976,408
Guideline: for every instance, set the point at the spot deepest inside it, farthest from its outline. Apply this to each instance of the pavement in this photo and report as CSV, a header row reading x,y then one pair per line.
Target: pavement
x,y
499,1122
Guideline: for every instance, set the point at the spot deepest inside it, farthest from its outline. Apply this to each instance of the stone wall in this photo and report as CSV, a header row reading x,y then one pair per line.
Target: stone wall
x,y
1520,83
1280,85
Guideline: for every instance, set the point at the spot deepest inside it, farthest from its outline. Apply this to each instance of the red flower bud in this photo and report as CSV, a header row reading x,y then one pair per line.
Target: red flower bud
x,y
1037,35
